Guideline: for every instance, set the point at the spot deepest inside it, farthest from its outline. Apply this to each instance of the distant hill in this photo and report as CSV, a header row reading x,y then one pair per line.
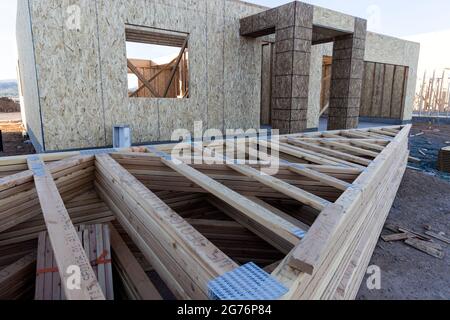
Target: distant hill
x,y
9,88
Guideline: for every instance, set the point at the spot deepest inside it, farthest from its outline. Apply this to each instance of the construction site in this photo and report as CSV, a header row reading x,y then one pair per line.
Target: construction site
x,y
220,150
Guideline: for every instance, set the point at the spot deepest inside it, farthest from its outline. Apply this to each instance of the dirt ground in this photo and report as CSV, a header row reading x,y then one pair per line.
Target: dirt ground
x,y
423,199
13,140
426,147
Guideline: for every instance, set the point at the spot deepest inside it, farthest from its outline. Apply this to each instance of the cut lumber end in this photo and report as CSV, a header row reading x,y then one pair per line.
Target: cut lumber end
x,y
301,266
312,249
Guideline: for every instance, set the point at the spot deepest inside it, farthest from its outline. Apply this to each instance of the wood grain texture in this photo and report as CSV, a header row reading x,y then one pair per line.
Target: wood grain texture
x,y
64,238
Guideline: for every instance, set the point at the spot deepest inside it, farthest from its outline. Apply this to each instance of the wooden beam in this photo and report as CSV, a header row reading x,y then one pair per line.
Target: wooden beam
x,y
308,256
383,132
66,244
318,176
20,178
141,78
253,211
367,145
16,279
323,156
175,67
167,66
372,134
280,213
283,187
330,152
354,135
328,226
129,266
351,149
196,254
298,153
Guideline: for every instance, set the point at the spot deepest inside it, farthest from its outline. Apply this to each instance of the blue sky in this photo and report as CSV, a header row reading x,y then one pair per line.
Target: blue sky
x,y
399,18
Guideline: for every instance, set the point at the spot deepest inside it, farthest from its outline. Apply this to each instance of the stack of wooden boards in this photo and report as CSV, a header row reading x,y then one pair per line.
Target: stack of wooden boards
x,y
96,243
313,224
422,242
17,279
444,160
136,285
331,261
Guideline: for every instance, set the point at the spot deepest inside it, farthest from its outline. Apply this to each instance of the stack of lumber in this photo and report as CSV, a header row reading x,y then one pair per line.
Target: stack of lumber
x,y
96,243
331,264
13,252
19,201
184,258
17,279
207,216
313,224
86,208
145,169
444,160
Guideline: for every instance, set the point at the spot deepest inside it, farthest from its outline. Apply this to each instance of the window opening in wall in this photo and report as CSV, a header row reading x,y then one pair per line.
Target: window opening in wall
x,y
158,63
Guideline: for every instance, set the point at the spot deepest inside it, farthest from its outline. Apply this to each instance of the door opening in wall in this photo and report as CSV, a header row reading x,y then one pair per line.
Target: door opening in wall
x,y
158,63
267,62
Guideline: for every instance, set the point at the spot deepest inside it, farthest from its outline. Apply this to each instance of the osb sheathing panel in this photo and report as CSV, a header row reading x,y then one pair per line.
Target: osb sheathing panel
x,y
332,19
211,82
242,71
68,74
385,49
30,102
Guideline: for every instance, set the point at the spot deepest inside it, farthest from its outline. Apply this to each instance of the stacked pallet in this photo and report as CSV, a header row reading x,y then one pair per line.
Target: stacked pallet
x,y
96,243
444,160
12,165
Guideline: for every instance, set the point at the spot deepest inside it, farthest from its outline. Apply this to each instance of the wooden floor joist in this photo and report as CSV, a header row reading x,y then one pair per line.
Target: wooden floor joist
x,y
312,223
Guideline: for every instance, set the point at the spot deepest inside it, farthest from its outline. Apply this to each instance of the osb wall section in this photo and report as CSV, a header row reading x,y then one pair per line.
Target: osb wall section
x,y
30,98
224,68
83,73
68,74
